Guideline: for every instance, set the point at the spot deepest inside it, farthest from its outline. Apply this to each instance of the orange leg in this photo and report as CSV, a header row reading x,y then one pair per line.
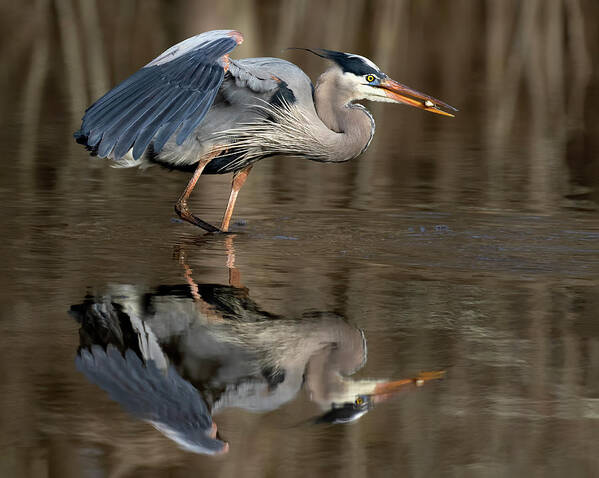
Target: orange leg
x,y
207,310
181,206
193,287
238,179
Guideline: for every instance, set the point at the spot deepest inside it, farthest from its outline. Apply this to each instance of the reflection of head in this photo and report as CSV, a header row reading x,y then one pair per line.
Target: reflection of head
x,y
160,397
174,346
348,411
354,398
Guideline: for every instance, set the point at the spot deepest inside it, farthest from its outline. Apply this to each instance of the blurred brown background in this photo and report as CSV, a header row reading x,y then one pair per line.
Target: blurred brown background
x,y
522,73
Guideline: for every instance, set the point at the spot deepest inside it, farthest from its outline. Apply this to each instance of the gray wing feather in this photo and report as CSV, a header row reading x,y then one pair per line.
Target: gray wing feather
x,y
250,85
262,75
248,74
173,91
172,404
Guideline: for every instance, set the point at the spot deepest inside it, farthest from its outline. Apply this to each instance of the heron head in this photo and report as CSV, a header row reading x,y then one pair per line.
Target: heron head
x,y
357,397
367,82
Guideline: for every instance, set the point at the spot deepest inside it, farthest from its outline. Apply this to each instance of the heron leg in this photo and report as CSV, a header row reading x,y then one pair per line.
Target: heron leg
x,y
239,179
181,206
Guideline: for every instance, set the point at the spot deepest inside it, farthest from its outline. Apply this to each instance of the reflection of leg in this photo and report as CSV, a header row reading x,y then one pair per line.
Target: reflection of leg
x,y
193,287
238,179
206,310
234,274
181,205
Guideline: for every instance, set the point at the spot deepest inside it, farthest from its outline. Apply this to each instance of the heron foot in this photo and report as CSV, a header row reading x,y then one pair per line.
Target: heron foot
x,y
184,213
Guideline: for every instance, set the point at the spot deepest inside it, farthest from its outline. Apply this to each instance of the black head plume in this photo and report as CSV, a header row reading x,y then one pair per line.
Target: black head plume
x,y
348,62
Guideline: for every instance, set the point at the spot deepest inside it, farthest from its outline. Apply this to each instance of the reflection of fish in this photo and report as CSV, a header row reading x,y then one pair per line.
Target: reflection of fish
x,y
217,341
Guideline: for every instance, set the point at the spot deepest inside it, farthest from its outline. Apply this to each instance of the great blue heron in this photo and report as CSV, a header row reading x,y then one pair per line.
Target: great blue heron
x,y
193,108
175,357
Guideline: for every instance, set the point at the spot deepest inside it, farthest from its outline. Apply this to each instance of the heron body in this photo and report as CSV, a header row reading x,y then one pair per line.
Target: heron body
x,y
195,109
176,361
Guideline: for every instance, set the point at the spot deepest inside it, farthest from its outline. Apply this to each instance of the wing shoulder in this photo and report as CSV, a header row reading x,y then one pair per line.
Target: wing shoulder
x,y
262,75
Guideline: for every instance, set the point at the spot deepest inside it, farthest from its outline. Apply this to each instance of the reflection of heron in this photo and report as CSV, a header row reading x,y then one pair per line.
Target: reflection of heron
x,y
161,397
180,354
194,108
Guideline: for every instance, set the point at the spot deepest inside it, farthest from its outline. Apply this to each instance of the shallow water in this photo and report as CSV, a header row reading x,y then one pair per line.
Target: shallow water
x,y
441,250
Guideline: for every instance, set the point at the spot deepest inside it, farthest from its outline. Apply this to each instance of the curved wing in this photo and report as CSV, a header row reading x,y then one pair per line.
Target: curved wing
x,y
170,94
162,398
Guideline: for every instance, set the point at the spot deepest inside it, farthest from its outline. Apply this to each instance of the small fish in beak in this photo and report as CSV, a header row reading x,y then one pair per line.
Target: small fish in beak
x,y
406,95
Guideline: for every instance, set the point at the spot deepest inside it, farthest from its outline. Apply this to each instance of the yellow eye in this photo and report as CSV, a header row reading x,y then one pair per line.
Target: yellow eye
x,y
359,400
369,79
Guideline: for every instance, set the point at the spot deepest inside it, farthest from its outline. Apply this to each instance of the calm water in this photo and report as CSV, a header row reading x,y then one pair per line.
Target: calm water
x,y
448,247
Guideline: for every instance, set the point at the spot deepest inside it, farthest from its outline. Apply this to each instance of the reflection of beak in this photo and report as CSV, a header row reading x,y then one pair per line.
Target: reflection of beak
x,y
403,94
384,390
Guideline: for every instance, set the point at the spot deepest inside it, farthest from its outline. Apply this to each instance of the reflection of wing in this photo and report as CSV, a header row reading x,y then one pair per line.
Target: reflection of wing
x,y
227,301
171,94
163,398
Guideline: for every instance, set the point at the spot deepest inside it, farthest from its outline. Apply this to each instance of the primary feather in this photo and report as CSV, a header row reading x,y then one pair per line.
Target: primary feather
x,y
173,91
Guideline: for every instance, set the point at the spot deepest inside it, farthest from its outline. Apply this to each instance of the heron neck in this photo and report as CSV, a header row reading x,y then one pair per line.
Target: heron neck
x,y
351,125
